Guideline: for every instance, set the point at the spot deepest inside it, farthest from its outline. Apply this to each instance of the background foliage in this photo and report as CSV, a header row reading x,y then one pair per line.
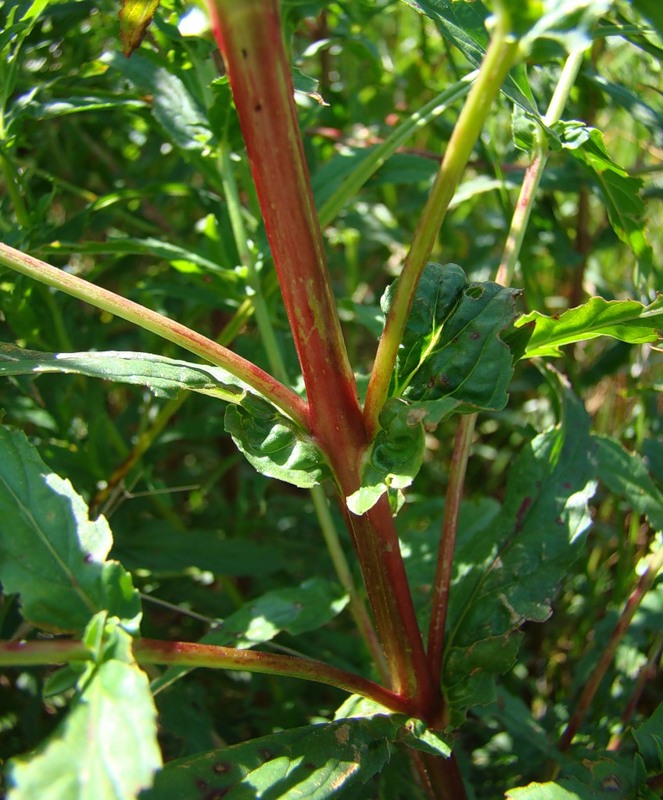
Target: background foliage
x,y
116,170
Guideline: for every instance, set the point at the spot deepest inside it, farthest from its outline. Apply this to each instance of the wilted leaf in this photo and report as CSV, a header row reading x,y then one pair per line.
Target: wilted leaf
x,y
296,610
625,320
106,747
135,17
509,573
51,553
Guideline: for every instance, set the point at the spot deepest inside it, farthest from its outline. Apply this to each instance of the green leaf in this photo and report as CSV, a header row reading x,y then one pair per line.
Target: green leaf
x,y
649,737
106,748
135,17
626,320
565,22
395,457
545,791
453,345
620,191
50,552
313,762
164,376
274,445
653,11
296,610
509,573
626,475
179,113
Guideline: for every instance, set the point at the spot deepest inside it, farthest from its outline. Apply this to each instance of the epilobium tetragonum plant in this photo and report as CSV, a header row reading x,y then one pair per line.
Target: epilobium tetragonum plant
x,y
450,693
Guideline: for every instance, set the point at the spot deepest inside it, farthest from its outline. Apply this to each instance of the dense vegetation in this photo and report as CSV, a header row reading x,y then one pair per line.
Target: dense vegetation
x,y
514,435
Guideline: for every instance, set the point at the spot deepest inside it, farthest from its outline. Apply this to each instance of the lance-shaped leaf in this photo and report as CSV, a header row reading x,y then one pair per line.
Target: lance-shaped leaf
x,y
274,445
296,610
135,16
106,748
626,320
620,191
455,344
51,553
510,572
164,376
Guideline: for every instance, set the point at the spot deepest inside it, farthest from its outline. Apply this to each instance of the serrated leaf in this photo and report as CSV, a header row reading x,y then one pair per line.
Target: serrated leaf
x,y
135,17
453,345
626,320
105,749
314,762
51,553
296,610
274,445
164,376
509,573
395,457
620,191
626,475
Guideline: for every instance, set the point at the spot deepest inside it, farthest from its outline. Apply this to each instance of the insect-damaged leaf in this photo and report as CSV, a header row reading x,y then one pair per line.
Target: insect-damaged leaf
x,y
51,553
135,17
509,573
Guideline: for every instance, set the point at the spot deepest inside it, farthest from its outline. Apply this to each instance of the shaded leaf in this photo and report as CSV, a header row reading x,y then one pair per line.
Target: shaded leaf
x,y
50,552
296,610
626,320
60,107
509,573
620,191
274,445
653,11
135,17
179,113
106,747
649,738
626,475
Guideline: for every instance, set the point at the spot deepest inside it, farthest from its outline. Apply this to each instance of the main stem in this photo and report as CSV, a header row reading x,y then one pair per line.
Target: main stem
x,y
249,35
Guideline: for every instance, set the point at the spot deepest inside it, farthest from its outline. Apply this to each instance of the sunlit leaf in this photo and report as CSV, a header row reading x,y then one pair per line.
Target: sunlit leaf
x,y
51,553
626,320
106,748
135,17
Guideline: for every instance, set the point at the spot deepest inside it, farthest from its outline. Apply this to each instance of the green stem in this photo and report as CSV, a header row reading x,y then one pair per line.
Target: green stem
x,y
11,182
168,329
494,69
440,599
534,172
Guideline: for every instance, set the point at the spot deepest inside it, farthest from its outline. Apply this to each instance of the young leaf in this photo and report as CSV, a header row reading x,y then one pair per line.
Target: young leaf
x,y
518,562
106,748
625,320
51,553
620,191
625,474
274,445
395,456
296,610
